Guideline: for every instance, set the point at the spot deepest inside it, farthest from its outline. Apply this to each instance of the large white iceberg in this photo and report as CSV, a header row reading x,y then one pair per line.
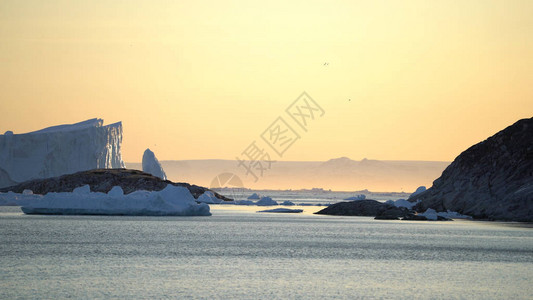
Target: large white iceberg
x,y
152,166
59,150
171,201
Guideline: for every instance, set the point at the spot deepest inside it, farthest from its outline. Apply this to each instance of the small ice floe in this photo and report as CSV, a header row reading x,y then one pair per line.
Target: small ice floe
x,y
15,199
209,198
281,210
266,201
356,197
171,201
254,196
287,203
402,203
419,190
433,215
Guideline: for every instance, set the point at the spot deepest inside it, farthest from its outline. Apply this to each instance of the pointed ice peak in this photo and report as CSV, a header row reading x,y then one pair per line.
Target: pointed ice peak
x,y
151,165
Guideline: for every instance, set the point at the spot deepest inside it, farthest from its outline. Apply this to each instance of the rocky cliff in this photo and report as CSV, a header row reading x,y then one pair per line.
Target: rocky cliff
x,y
59,150
490,180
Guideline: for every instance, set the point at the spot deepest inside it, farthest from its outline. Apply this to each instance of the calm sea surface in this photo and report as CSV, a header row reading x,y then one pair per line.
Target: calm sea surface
x,y
240,254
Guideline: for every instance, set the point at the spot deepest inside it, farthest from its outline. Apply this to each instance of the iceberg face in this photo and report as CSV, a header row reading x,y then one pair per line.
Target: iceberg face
x,y
171,201
209,198
152,166
59,150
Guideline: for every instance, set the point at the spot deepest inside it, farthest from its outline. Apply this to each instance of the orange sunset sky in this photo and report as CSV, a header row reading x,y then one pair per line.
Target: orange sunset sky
x,y
398,80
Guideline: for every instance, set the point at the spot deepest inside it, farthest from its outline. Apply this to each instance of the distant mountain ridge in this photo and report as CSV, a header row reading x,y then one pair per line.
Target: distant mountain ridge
x,y
340,174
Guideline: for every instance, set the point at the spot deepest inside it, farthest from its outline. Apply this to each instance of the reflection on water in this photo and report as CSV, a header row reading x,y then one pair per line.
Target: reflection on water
x,y
238,253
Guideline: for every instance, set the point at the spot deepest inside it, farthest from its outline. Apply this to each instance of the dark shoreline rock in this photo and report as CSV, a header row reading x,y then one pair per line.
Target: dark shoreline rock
x,y
102,180
492,180
364,208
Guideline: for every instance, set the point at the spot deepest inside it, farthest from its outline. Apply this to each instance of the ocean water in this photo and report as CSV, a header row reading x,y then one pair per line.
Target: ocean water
x,y
240,254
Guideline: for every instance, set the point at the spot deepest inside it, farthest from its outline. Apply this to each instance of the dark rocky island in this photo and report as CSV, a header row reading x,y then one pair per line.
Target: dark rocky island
x,y
365,208
491,180
102,180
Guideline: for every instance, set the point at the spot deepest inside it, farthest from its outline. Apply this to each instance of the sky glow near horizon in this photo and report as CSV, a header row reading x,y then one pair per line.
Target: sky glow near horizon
x,y
421,80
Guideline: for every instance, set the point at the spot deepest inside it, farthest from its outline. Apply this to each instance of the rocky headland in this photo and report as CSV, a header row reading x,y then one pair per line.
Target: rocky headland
x,y
491,180
102,180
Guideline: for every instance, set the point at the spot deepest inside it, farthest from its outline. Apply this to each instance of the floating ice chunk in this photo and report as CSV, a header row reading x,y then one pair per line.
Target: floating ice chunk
x,y
152,166
266,201
254,196
116,191
281,210
287,203
419,190
209,198
430,214
11,198
405,203
453,215
357,197
85,189
171,201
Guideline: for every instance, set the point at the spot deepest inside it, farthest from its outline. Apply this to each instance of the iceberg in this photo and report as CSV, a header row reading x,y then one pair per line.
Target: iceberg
x,y
266,201
254,196
419,190
171,201
243,202
209,198
433,215
287,203
402,203
59,150
152,166
14,199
